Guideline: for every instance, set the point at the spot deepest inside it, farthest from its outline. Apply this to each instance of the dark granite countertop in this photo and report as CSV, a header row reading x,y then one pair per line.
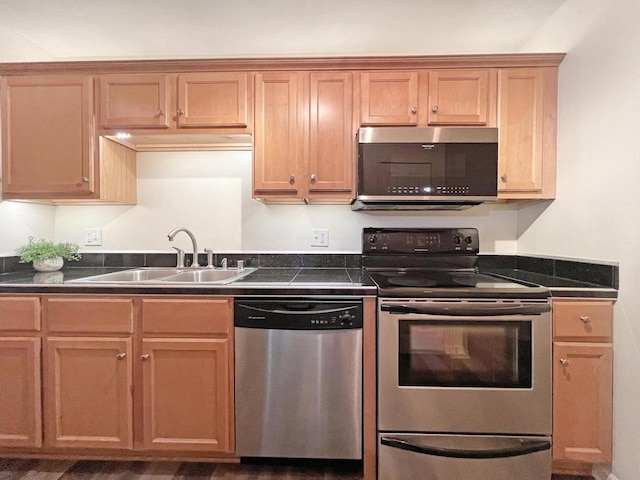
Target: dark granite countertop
x,y
271,281
558,286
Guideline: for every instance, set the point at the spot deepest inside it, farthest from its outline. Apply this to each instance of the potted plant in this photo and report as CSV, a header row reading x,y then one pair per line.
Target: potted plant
x,y
47,256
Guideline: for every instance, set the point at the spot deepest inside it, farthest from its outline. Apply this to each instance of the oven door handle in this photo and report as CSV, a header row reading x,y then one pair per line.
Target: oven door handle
x,y
524,448
465,310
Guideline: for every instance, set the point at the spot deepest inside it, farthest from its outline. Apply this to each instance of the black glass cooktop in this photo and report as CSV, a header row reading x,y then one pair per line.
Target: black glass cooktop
x,y
431,283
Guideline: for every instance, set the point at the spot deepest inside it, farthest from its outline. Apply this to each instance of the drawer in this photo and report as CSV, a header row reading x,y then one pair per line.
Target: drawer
x,y
582,319
19,313
178,316
90,315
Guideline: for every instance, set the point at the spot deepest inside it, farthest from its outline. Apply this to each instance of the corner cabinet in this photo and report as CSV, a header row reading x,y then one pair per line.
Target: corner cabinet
x,y
304,145
582,381
50,150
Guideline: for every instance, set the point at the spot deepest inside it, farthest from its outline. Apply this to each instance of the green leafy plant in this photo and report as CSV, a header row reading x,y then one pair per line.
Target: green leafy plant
x,y
41,249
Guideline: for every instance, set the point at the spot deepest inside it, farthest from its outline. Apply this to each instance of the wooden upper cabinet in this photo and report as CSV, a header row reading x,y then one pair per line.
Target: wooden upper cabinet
x,y
212,100
389,98
278,147
47,136
331,162
134,101
462,97
20,403
527,111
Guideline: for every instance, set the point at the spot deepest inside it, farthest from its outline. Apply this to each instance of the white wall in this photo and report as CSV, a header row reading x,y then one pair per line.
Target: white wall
x,y
210,193
19,220
597,212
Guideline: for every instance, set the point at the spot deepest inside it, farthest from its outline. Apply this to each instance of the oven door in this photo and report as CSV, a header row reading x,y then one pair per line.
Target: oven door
x,y
464,366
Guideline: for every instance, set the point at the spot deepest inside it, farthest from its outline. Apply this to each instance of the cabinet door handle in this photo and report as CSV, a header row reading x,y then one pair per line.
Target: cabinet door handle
x,y
161,113
564,362
414,110
434,109
503,177
85,179
585,319
121,356
144,357
292,178
180,112
313,177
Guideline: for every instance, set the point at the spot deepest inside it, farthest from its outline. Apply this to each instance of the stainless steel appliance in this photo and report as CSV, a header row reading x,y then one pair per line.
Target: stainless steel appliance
x,y
298,380
464,362
409,168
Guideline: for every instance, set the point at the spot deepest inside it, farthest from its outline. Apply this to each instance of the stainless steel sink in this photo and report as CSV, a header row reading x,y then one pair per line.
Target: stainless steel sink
x,y
168,275
208,276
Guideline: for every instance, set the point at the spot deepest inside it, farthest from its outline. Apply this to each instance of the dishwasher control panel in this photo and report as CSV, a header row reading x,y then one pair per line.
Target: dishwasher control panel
x,y
298,314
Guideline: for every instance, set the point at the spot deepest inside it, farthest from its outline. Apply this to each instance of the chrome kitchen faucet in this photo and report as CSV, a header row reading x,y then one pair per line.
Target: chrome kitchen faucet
x,y
175,231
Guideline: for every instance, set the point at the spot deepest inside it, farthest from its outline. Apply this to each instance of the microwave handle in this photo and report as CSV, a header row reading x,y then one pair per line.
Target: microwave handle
x,y
465,310
524,448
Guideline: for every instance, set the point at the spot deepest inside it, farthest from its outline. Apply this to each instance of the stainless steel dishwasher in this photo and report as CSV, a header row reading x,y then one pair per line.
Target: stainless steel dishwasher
x,y
298,378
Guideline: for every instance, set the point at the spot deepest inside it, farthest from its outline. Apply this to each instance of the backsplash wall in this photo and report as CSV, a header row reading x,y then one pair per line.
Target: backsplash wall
x,y
210,193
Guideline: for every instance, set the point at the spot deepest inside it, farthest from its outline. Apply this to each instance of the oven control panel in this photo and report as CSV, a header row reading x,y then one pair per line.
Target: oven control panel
x,y
420,241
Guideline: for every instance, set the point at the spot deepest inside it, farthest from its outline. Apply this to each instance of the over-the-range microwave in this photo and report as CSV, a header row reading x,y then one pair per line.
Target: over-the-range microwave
x,y
414,168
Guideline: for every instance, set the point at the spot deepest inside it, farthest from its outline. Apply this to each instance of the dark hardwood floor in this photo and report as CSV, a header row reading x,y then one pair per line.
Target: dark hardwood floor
x,y
20,469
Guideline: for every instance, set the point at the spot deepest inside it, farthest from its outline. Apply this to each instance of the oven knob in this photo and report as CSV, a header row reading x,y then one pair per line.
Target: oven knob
x,y
468,239
373,239
457,240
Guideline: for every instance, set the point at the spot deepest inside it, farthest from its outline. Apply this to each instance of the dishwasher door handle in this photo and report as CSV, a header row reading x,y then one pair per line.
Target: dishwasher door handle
x,y
524,448
464,310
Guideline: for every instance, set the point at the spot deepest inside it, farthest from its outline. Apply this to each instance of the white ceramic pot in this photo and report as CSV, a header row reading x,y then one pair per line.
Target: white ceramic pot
x,y
48,265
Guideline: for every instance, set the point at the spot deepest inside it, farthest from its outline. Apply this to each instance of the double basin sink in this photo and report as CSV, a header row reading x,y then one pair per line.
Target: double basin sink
x,y
169,275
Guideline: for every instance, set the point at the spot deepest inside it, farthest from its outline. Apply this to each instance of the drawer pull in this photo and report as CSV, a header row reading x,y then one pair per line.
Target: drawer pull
x,y
121,356
585,319
564,362
144,357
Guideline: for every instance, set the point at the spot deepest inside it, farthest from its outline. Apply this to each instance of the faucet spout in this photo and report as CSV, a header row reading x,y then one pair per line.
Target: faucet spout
x,y
175,231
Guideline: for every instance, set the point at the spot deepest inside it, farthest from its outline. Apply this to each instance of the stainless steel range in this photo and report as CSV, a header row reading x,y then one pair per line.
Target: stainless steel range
x,y
464,362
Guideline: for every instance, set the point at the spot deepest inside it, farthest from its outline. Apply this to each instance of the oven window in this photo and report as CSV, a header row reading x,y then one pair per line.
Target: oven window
x,y
465,354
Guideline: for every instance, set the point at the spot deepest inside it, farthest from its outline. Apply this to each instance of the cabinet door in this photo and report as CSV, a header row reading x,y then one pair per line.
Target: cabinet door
x,y
20,410
389,98
212,100
461,97
278,142
331,160
187,394
527,104
582,401
47,136
88,392
134,101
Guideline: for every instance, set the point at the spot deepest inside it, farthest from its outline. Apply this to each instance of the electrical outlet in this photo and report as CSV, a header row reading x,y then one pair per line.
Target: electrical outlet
x,y
93,236
319,237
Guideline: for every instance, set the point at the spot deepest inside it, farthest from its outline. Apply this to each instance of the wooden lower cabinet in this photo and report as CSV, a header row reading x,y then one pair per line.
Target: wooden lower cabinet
x,y
88,402
20,417
582,381
186,399
151,375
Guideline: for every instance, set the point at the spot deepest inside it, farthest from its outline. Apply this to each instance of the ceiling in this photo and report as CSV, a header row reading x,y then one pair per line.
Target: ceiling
x,y
65,30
